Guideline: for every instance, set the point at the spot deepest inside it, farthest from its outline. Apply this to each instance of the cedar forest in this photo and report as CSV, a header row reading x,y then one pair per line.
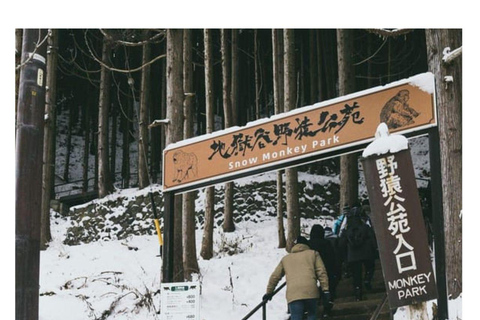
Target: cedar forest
x,y
121,82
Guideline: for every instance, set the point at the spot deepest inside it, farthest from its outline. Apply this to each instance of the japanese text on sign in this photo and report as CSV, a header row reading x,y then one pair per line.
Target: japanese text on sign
x,y
241,143
390,185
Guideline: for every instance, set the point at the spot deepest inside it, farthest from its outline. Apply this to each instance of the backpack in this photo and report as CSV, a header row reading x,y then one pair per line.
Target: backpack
x,y
355,236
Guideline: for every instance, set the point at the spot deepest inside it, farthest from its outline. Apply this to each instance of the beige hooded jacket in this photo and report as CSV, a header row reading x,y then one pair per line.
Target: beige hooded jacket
x,y
302,267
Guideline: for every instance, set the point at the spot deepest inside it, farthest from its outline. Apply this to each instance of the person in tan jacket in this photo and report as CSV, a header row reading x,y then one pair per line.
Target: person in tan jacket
x,y
302,267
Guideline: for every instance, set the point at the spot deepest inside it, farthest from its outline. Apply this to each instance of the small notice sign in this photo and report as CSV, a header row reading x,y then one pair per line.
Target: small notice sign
x,y
180,301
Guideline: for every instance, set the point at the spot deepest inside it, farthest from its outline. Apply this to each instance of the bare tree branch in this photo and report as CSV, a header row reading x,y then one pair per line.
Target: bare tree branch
x,y
132,44
116,69
32,54
389,32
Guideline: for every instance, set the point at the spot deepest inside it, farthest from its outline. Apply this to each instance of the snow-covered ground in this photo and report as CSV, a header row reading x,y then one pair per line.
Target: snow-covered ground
x,y
122,278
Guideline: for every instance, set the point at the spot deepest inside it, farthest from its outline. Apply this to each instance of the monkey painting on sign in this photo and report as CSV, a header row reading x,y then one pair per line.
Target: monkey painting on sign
x,y
185,165
396,112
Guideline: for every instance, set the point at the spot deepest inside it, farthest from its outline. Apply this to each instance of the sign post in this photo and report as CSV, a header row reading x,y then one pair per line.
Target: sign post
x,y
398,220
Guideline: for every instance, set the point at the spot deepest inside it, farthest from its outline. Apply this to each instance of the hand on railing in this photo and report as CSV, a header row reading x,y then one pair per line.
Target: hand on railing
x,y
267,296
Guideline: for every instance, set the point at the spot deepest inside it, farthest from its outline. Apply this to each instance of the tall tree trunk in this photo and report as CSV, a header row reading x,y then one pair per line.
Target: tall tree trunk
x,y
104,182
163,104
28,174
86,134
312,70
143,180
126,143
234,76
18,55
228,224
449,106
207,240
277,56
257,74
113,144
291,175
68,149
190,263
320,59
175,131
48,141
346,85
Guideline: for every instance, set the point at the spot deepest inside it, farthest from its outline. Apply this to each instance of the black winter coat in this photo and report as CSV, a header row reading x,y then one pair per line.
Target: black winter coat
x,y
323,247
359,241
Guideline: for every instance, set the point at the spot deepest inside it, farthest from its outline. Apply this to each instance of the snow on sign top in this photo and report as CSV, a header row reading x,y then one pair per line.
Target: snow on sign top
x,y
301,134
385,143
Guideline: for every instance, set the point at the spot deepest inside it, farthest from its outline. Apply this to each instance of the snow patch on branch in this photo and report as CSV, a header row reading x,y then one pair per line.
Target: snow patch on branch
x,y
449,56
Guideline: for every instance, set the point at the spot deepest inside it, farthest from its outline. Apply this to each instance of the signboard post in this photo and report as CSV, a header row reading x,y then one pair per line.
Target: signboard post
x,y
180,301
398,223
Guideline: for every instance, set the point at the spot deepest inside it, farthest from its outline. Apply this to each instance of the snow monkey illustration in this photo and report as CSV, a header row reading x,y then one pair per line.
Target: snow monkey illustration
x,y
396,112
185,165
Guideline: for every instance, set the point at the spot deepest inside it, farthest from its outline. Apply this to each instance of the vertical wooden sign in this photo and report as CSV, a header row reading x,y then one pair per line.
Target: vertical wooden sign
x,y
400,228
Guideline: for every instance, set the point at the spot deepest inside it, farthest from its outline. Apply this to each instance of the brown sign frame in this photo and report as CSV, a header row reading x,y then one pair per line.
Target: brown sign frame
x,y
300,136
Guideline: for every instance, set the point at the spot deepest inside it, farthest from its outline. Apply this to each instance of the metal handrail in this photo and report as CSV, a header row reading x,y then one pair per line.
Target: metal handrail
x,y
263,305
376,313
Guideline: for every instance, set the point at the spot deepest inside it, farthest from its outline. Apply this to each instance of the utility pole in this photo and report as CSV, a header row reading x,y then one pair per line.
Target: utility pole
x,y
28,163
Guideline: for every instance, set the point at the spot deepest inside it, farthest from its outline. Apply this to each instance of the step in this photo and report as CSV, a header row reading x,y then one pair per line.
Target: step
x,y
345,288
359,310
369,295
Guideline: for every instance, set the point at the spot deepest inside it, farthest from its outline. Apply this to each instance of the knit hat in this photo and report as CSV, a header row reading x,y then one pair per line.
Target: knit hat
x,y
301,240
317,232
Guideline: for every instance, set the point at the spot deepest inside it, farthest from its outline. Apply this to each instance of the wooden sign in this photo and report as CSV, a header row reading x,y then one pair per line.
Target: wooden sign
x,y
399,226
406,106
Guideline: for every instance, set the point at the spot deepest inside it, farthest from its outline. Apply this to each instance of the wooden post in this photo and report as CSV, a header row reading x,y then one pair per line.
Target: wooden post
x,y
438,223
28,163
168,225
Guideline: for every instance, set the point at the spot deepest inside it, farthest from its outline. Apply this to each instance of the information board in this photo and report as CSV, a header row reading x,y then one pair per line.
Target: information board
x,y
180,301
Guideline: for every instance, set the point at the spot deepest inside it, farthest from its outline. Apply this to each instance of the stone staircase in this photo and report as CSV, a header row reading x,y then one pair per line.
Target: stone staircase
x,y
346,308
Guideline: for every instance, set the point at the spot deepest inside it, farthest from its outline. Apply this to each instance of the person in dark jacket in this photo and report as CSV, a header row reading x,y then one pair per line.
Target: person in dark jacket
x,y
327,253
359,242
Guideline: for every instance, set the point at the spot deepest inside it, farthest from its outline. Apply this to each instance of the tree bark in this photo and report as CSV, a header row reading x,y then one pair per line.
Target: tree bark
x,y
228,224
104,182
28,173
449,106
207,240
175,131
190,263
86,134
68,148
48,140
278,103
291,182
113,144
18,55
346,85
126,144
257,74
234,76
143,180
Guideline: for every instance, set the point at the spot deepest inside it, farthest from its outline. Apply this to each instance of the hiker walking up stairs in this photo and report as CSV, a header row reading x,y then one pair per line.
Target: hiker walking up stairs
x,y
361,289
